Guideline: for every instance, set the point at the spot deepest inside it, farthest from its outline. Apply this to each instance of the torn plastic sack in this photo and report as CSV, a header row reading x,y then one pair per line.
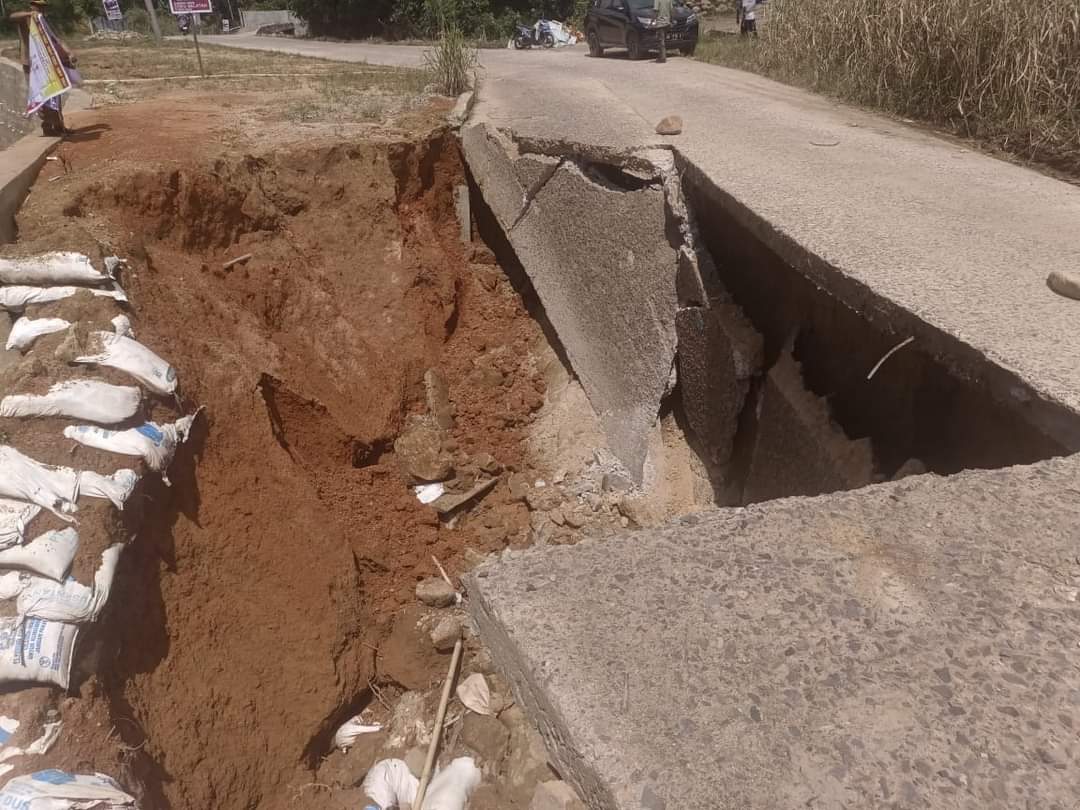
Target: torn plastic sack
x,y
15,516
18,297
36,650
351,729
48,555
26,330
122,326
49,735
475,694
52,268
57,488
117,351
59,790
92,400
390,784
155,444
68,602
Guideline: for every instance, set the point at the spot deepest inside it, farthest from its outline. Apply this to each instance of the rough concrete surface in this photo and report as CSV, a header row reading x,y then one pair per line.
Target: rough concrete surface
x,y
599,257
719,353
925,235
798,449
914,644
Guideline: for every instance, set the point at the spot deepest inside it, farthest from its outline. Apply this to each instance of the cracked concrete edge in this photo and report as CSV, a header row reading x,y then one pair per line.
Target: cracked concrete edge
x,y
462,108
998,379
20,164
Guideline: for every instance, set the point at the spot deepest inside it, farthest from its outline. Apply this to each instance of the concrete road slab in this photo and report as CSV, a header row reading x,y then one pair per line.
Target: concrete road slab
x,y
914,644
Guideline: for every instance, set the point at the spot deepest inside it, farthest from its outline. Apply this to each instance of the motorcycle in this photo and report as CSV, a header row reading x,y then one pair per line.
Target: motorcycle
x,y
526,37
183,23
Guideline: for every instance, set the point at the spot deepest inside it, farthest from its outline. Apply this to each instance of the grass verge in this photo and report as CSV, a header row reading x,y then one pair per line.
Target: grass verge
x,y
1004,74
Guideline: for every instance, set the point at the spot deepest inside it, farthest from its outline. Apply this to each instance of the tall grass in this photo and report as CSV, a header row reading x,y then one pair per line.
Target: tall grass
x,y
451,62
1003,71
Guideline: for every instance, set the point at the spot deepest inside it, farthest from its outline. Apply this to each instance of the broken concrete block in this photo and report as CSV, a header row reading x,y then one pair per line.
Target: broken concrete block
x,y
719,353
799,450
435,592
555,795
445,633
486,737
419,450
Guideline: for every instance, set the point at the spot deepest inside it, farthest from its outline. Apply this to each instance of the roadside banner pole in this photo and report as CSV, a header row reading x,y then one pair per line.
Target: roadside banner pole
x,y
153,19
193,8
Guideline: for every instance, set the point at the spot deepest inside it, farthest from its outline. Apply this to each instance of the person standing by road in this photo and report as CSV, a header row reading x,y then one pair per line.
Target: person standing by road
x,y
748,26
663,23
50,113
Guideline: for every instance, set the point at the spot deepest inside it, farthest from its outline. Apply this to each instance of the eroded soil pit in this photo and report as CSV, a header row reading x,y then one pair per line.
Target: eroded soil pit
x,y
269,593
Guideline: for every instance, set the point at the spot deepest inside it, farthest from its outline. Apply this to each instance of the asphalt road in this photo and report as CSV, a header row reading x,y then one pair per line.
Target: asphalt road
x,y
920,225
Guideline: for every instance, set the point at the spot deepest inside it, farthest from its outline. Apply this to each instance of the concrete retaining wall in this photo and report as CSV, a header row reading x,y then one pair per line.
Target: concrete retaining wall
x,y
13,124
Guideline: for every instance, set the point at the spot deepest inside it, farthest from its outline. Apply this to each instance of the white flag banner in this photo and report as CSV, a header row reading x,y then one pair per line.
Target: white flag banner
x,y
48,77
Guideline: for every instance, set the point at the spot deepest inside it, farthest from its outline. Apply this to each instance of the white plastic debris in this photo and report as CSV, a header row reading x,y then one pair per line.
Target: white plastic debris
x,y
52,268
390,784
15,516
351,729
49,555
155,444
57,488
35,650
117,351
70,601
475,694
427,493
26,330
17,297
8,726
59,790
122,326
49,735
92,400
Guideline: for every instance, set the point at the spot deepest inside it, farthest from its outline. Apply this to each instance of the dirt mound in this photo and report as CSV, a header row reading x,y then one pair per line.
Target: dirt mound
x,y
248,611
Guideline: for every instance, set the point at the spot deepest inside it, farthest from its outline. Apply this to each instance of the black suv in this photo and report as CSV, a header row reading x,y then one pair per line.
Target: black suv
x,y
631,24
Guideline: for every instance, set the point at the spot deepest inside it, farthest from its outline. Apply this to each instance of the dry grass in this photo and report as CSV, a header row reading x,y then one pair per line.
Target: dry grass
x,y
452,62
1005,73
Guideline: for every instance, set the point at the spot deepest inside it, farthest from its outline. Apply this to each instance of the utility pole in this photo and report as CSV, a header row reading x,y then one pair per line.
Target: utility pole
x,y
153,19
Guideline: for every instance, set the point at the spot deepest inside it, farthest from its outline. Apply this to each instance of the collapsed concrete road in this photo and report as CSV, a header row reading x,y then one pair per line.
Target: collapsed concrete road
x,y
914,645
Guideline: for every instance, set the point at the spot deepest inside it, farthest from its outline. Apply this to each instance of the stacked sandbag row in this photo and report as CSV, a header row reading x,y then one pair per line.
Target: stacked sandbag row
x,y
43,606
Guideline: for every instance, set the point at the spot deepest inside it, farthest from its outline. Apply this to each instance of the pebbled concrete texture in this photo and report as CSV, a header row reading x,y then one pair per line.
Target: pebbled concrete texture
x,y
914,644
595,245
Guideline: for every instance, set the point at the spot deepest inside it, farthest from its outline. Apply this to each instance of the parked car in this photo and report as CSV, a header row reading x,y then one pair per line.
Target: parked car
x,y
631,24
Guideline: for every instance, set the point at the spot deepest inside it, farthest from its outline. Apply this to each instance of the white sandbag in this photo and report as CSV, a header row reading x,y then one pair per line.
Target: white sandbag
x,y
57,488
59,790
70,601
11,585
18,297
51,268
351,729
15,516
26,330
36,650
391,784
48,555
92,400
117,351
122,326
451,787
155,444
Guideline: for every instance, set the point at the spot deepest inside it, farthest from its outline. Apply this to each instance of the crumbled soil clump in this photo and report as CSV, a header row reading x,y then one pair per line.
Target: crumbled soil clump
x,y
246,616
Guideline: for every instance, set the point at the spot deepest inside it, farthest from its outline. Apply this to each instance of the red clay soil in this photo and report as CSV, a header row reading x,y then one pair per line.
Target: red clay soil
x,y
244,622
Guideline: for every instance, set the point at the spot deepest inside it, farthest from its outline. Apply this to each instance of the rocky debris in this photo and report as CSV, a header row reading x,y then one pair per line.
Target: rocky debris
x,y
574,518
519,486
556,516
544,499
419,450
486,737
487,463
555,795
452,501
406,656
436,592
798,449
345,769
437,393
1066,284
405,722
719,354
446,632
912,466
670,125
527,762
615,482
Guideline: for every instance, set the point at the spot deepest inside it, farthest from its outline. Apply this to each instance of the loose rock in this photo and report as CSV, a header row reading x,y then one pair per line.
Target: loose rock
x,y
438,399
519,487
1066,284
528,762
670,125
486,736
557,516
555,795
574,519
446,633
406,657
419,449
487,463
435,592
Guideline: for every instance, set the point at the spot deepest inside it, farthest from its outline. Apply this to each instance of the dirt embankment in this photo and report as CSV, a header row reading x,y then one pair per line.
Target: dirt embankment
x,y
247,613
